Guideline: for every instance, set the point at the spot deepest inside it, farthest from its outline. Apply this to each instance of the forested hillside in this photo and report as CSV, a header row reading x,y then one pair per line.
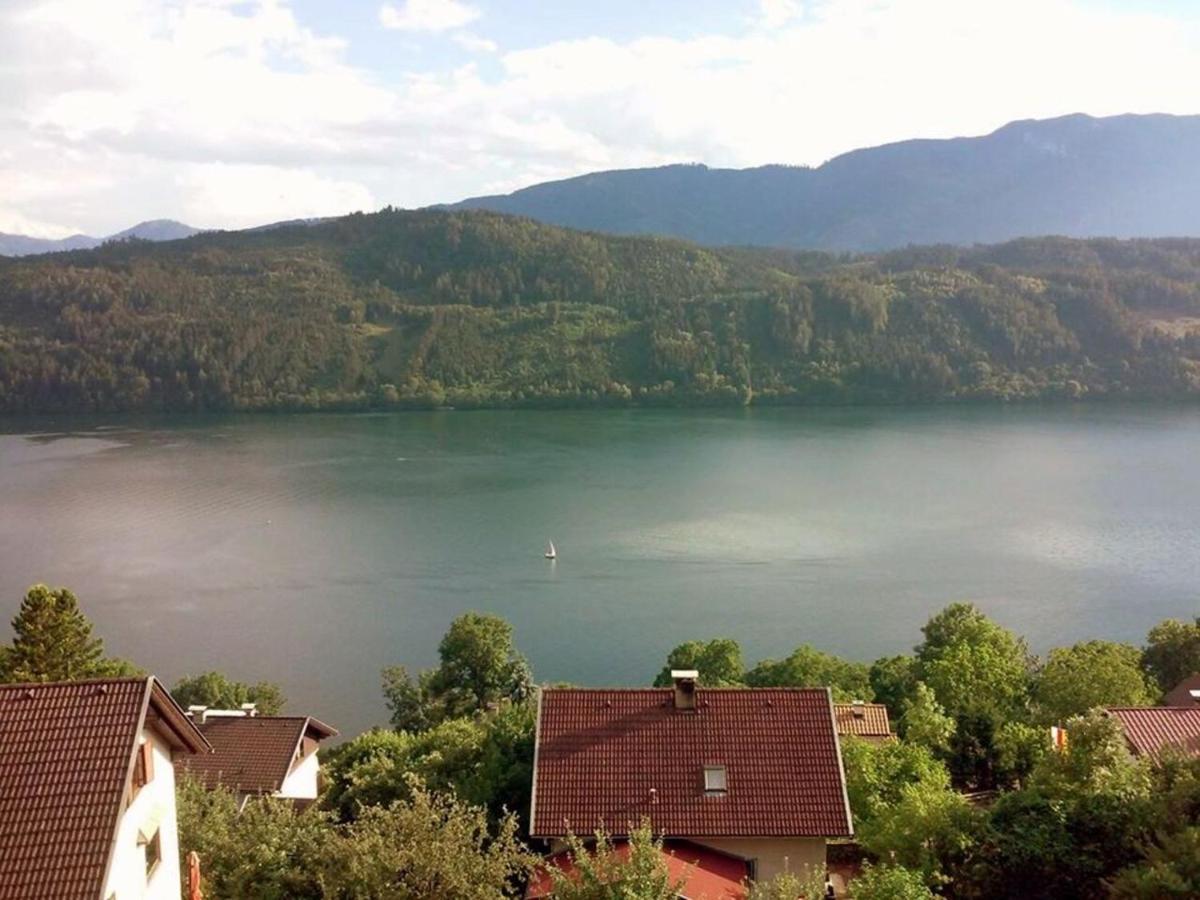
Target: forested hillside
x,y
1121,176
476,309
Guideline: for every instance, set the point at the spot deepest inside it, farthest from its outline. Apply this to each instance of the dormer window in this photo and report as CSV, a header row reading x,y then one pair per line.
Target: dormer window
x,y
715,781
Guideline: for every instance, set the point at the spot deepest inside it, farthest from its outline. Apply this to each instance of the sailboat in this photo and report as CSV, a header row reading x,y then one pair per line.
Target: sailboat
x,y
551,553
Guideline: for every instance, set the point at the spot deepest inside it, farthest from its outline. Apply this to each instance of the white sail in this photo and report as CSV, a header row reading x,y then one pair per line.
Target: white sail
x,y
551,553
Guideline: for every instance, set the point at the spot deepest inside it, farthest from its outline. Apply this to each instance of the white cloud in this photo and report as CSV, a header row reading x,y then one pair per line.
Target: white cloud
x,y
474,43
427,15
776,13
236,112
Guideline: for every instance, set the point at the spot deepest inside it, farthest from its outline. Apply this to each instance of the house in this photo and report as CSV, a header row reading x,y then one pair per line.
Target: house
x,y
1151,731
1186,693
755,773
868,721
87,789
257,755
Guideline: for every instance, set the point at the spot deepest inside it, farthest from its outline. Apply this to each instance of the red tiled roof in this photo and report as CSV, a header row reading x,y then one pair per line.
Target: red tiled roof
x,y
600,752
1180,695
66,753
872,723
252,754
1152,729
707,874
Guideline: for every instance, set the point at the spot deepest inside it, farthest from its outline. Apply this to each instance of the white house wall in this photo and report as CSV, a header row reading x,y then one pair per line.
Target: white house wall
x,y
153,806
301,783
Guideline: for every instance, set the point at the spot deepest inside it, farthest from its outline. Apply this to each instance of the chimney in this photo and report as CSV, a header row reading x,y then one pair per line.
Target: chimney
x,y
859,709
653,796
250,709
685,688
196,713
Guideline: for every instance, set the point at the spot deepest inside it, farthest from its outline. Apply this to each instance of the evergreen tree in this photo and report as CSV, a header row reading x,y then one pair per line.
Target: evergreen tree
x,y
53,640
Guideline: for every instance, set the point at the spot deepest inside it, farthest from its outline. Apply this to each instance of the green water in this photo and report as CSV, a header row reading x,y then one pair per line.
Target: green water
x,y
313,550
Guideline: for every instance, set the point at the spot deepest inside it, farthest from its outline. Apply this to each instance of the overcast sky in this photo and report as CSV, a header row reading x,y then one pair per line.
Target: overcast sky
x,y
226,113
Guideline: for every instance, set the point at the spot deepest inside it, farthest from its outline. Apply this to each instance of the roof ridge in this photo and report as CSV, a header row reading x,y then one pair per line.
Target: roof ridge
x,y
119,679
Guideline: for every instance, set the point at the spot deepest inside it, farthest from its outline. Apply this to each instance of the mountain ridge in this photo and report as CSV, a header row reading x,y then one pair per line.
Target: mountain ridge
x,y
1079,176
150,230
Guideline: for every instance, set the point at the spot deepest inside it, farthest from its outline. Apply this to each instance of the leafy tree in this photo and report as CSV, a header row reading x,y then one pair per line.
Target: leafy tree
x,y
894,682
407,700
808,667
217,691
1019,748
979,673
266,851
480,668
1171,869
925,722
974,665
1096,759
1090,674
884,882
53,641
603,872
718,661
790,886
1172,652
876,773
430,845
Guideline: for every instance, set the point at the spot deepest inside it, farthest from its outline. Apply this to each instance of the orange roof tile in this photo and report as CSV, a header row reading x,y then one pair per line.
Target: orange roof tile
x,y
252,754
872,723
1152,729
66,752
600,752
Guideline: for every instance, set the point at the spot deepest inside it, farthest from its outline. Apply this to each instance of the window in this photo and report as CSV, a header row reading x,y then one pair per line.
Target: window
x,y
143,767
153,847
715,781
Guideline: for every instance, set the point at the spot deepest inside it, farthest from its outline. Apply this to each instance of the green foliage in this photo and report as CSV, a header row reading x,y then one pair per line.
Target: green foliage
x,y
53,641
925,721
1076,679
1096,760
877,773
808,667
427,845
1172,652
601,872
1019,748
487,761
215,690
1171,869
428,308
980,674
789,886
883,882
718,661
480,669
894,682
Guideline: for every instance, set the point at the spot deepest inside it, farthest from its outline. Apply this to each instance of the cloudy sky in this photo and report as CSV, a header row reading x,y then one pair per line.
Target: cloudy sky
x,y
226,113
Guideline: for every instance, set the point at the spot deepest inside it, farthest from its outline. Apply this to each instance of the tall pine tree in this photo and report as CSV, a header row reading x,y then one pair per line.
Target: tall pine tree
x,y
53,640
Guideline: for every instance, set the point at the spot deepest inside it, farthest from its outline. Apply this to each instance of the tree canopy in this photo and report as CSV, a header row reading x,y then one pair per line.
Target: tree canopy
x,y
216,690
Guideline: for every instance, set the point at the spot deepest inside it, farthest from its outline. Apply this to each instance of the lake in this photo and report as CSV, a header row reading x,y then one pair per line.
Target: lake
x,y
314,550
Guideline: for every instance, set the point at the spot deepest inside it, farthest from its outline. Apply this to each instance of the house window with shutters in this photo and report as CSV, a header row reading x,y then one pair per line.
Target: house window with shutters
x,y
143,767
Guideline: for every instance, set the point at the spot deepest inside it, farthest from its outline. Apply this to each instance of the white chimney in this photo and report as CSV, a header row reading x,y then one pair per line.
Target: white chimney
x,y
859,709
685,688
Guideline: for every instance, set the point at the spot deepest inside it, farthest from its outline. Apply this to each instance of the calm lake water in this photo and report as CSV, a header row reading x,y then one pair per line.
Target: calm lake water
x,y
313,550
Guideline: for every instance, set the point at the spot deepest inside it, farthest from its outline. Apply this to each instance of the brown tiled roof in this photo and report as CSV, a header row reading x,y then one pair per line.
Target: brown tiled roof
x,y
66,753
1152,729
872,723
252,754
1180,695
600,752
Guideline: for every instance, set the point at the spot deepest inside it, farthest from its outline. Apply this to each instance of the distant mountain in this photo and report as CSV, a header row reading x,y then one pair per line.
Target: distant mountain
x,y
1125,176
153,230
469,309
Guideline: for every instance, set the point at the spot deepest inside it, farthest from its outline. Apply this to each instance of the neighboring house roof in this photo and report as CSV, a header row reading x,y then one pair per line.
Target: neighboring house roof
x,y
1152,729
707,874
1181,694
608,758
253,754
868,720
66,754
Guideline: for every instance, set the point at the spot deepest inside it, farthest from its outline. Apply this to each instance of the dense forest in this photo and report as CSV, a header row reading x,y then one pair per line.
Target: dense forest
x,y
433,308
